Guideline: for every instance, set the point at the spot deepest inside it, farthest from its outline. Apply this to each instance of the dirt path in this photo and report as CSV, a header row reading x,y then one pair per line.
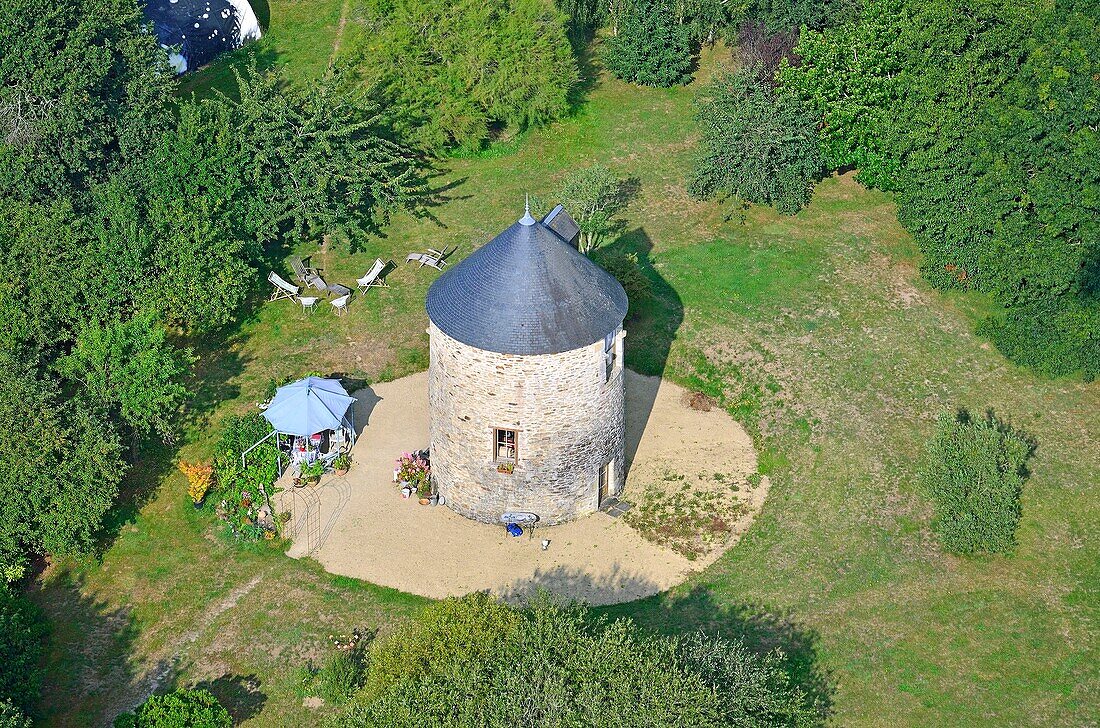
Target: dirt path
x,y
340,31
156,678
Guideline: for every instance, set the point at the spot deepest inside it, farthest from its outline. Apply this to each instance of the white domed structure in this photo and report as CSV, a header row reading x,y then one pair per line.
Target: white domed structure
x,y
526,377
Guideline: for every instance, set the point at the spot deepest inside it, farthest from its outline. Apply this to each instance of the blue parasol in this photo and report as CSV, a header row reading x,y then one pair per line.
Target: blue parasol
x,y
308,406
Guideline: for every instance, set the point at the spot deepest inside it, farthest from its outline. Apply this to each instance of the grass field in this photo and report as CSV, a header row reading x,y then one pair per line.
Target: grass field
x,y
815,331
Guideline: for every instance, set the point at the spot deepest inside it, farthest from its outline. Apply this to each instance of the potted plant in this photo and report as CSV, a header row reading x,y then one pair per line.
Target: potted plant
x,y
342,464
507,468
312,472
414,475
199,479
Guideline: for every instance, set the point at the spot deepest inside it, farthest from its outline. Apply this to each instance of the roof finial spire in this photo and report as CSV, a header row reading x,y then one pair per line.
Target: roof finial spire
x,y
527,219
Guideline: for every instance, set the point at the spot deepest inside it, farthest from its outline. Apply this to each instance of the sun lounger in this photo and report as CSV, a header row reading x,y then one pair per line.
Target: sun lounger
x,y
308,276
376,276
282,288
434,258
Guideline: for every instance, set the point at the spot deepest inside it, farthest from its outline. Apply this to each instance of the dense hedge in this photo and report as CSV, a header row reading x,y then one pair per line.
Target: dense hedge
x,y
476,662
22,645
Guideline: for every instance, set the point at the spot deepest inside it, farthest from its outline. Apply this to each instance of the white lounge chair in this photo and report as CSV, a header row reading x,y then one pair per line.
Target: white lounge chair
x,y
340,305
282,288
376,276
308,303
435,258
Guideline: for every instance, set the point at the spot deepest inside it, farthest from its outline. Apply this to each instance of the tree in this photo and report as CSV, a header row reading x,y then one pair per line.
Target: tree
x,y
22,645
197,708
475,661
650,46
456,73
981,117
756,146
12,717
974,471
130,370
61,466
594,196
84,89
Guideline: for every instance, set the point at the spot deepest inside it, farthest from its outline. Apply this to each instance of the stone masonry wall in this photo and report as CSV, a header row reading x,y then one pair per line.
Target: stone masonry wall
x,y
569,422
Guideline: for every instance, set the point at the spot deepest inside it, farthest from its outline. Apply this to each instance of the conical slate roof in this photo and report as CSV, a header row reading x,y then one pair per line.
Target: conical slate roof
x,y
527,291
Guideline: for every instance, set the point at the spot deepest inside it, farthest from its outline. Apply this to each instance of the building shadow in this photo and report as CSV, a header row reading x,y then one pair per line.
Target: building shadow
x,y
654,318
240,694
761,628
573,584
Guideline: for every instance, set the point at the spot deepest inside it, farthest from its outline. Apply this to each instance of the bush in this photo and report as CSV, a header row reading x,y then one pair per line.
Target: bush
x,y
756,146
22,634
342,675
650,48
974,470
627,269
454,71
12,717
475,661
181,709
1053,338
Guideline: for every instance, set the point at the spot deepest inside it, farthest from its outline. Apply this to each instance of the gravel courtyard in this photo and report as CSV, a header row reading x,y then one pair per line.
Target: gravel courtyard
x,y
366,530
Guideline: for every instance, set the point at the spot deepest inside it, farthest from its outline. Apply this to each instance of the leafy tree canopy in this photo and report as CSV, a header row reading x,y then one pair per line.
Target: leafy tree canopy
x,y
474,661
651,46
196,708
454,73
22,644
983,117
593,196
756,146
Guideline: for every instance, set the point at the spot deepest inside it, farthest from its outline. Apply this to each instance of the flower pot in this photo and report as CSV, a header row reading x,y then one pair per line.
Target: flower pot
x,y
313,480
341,472
424,501
433,499
299,483
246,502
406,492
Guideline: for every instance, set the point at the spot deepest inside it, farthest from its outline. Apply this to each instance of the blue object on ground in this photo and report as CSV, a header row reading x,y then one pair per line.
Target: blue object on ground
x,y
514,529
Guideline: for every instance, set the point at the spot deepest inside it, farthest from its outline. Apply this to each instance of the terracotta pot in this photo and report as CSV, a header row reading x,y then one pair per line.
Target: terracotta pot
x,y
341,472
424,501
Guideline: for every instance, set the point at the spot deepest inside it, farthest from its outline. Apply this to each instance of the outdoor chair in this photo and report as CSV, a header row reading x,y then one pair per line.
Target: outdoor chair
x,y
307,275
435,258
282,288
376,276
308,303
340,305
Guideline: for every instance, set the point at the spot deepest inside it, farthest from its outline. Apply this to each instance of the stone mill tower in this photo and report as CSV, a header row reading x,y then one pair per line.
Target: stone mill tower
x,y
526,376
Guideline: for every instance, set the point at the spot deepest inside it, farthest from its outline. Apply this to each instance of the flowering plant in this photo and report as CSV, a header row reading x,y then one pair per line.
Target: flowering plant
x,y
414,470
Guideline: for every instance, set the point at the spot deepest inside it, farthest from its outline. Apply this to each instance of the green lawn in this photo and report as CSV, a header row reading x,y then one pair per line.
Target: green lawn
x,y
816,331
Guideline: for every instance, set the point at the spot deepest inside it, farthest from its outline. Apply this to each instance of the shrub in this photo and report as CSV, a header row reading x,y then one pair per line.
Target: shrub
x,y
453,71
342,674
22,634
627,269
181,709
973,471
650,48
199,479
12,717
757,146
1054,338
475,661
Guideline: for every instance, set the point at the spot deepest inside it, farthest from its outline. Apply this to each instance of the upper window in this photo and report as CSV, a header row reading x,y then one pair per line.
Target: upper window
x,y
609,355
504,445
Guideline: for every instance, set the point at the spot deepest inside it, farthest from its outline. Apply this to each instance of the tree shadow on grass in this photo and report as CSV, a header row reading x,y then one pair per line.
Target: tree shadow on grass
x,y
761,628
618,585
89,672
240,694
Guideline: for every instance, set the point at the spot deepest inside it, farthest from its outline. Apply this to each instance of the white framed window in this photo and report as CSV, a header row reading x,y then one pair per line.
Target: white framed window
x,y
504,445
